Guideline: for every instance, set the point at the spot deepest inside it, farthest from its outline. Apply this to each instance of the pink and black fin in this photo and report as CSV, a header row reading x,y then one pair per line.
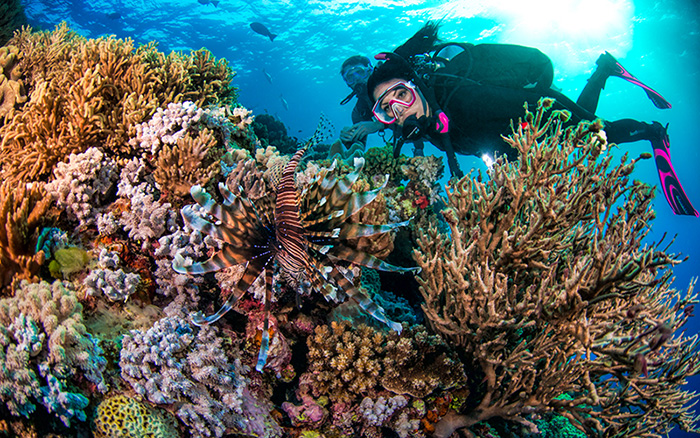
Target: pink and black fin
x,y
616,69
673,191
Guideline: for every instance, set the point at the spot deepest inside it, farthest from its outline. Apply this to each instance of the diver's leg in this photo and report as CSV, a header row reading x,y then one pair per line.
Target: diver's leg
x,y
628,130
590,95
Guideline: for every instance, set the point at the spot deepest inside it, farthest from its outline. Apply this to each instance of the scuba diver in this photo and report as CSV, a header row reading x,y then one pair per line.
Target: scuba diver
x,y
462,98
355,72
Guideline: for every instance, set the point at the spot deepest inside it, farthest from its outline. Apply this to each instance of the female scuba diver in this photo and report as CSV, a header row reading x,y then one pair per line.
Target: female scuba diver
x,y
462,98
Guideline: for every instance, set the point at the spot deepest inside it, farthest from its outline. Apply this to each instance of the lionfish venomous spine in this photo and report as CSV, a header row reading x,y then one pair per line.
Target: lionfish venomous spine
x,y
305,234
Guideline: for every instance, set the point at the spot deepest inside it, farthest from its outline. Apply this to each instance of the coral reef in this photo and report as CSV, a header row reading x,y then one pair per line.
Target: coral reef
x,y
83,184
172,363
84,93
44,345
12,90
272,132
21,209
544,285
191,161
124,417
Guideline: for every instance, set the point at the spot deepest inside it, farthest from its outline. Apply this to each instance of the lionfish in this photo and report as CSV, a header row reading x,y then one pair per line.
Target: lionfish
x,y
305,234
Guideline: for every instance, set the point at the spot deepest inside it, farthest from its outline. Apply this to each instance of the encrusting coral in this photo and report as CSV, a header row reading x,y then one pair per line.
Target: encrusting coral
x,y
124,417
544,284
85,93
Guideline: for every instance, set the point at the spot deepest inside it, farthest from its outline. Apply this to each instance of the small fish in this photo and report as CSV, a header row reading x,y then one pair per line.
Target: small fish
x,y
259,28
267,76
209,2
114,15
284,103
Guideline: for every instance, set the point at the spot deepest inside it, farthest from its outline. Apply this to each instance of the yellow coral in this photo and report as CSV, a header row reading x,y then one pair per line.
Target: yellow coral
x,y
124,417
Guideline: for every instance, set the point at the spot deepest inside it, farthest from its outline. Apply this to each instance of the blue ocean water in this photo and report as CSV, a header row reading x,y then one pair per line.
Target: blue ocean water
x,y
658,41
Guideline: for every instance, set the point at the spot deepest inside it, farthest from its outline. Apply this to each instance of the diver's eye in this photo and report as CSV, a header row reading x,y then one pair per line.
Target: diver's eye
x,y
402,95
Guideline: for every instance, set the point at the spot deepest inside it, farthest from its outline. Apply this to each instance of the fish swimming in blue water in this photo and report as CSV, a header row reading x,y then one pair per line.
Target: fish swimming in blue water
x,y
208,2
261,29
114,15
267,76
284,102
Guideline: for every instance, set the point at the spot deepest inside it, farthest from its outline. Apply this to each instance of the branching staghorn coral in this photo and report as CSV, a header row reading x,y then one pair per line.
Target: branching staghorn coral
x,y
21,211
544,282
85,93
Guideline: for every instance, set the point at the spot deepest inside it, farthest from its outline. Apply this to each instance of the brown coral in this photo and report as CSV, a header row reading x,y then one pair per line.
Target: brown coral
x,y
374,213
124,417
21,210
544,282
193,160
11,86
347,363
87,93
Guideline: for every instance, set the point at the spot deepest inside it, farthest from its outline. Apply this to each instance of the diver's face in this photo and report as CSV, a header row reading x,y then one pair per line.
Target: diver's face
x,y
396,100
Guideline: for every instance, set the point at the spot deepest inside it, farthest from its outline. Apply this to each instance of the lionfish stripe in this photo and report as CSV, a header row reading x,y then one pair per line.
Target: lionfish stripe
x,y
363,300
349,231
319,282
228,256
265,339
202,197
366,260
328,218
233,236
200,320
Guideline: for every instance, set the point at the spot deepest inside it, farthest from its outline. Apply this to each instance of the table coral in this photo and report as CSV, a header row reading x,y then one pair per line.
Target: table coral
x,y
544,283
43,347
21,212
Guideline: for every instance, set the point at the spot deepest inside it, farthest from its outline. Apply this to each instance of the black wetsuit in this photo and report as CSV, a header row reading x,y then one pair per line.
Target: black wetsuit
x,y
481,94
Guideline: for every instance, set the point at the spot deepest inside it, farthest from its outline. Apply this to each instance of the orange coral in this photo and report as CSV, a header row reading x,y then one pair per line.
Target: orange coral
x,y
187,163
11,86
21,210
85,93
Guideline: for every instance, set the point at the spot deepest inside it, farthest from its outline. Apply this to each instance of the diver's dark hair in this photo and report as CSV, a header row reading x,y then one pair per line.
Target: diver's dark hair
x,y
393,68
422,41
399,67
355,60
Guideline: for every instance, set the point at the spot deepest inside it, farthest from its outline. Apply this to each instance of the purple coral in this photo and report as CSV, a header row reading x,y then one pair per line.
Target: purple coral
x,y
172,362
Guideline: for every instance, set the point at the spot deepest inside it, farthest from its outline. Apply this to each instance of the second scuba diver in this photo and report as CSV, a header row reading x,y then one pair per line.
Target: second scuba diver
x,y
463,97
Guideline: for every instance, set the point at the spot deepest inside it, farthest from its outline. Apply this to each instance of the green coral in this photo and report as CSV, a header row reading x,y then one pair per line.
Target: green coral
x,y
44,347
380,161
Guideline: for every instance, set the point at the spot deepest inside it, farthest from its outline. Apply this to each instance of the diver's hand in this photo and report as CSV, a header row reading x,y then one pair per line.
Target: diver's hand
x,y
359,131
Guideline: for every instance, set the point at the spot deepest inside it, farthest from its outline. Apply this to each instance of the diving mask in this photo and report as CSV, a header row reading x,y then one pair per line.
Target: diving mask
x,y
357,74
394,100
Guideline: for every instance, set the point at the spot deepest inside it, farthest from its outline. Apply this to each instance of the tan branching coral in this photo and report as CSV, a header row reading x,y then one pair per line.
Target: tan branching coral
x,y
85,93
21,210
193,160
12,90
347,363
545,284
